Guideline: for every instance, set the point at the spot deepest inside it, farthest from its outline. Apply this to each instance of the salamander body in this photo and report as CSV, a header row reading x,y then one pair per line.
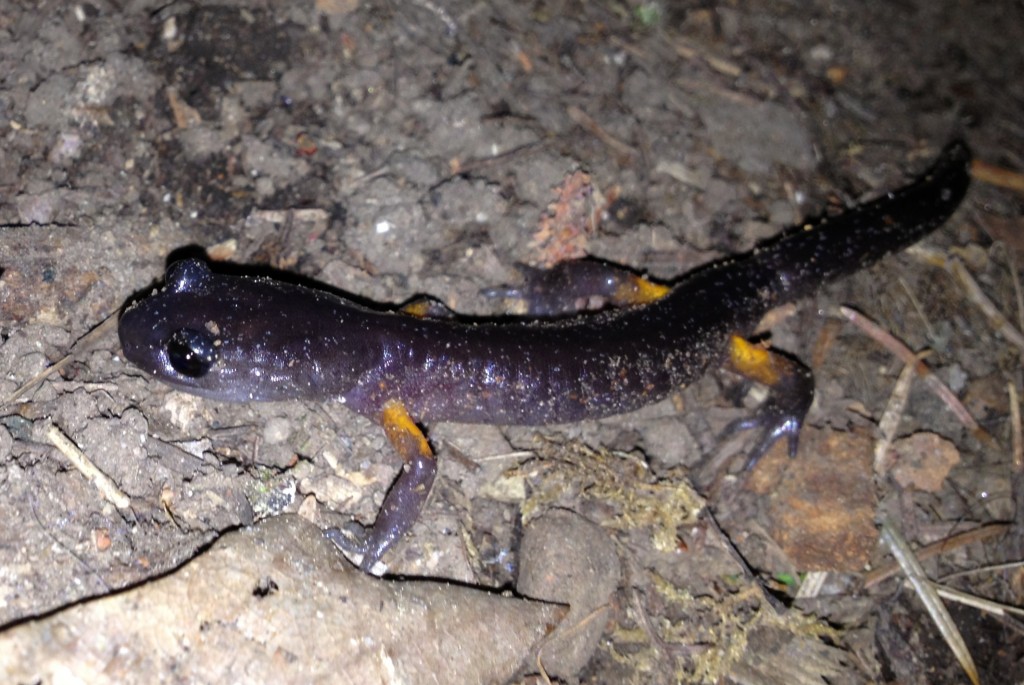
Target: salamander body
x,y
249,339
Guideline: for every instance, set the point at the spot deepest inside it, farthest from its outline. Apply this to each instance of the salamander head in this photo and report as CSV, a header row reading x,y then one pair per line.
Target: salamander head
x,y
225,337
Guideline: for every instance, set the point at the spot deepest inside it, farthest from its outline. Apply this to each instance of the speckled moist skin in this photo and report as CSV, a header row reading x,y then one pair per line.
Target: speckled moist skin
x,y
243,339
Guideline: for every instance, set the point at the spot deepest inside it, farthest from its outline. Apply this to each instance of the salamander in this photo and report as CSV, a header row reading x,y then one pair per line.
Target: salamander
x,y
242,339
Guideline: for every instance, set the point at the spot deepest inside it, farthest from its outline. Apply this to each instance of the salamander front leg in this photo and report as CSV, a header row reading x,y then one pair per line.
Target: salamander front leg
x,y
791,392
406,497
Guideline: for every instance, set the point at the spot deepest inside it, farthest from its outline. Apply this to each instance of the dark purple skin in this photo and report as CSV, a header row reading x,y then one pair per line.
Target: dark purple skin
x,y
276,341
566,288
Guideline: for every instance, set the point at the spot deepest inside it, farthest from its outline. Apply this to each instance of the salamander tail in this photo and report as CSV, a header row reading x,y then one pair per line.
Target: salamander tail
x,y
807,256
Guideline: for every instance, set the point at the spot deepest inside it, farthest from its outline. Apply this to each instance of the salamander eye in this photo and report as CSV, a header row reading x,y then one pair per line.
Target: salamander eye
x,y
192,353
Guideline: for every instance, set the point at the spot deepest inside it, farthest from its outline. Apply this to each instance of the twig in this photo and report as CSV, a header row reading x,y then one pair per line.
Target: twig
x,y
811,587
926,591
643,618
980,603
1017,448
890,420
988,568
1018,292
456,167
997,176
889,342
1000,323
993,530
565,633
106,325
583,119
916,304
973,292
77,457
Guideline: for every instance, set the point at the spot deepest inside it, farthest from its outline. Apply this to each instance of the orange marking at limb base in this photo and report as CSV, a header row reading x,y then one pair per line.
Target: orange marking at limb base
x,y
639,290
752,361
403,433
427,308
419,308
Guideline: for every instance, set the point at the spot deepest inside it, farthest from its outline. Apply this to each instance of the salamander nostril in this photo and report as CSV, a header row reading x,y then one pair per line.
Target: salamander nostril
x,y
192,352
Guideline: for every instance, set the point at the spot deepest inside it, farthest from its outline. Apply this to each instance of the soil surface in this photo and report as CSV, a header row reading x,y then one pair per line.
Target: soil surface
x,y
392,150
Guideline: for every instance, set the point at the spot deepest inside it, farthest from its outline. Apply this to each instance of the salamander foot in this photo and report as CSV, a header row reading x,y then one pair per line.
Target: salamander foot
x,y
791,392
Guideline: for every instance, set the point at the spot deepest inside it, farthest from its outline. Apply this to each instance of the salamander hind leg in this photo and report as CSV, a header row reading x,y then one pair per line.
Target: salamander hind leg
x,y
574,286
405,499
791,392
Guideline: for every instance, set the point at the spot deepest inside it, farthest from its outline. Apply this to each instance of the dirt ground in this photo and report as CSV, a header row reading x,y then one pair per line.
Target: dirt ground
x,y
390,150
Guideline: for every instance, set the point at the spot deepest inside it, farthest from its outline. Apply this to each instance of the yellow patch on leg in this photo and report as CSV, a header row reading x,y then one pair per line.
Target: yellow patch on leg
x,y
753,361
403,433
419,308
638,290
